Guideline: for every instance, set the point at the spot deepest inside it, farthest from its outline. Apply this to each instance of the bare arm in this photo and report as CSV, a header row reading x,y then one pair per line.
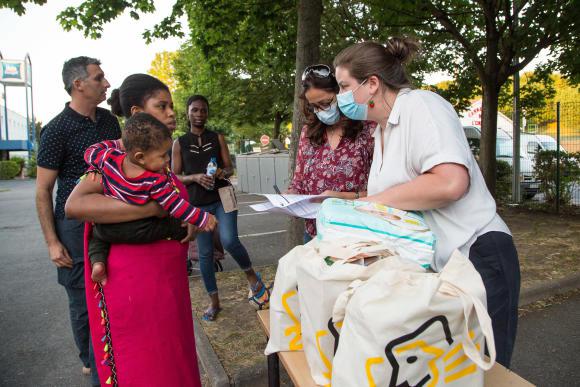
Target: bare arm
x,y
345,195
177,163
296,183
45,180
436,188
228,168
86,202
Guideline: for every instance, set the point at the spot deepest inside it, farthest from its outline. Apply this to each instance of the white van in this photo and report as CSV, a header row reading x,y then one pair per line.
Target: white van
x,y
530,144
548,143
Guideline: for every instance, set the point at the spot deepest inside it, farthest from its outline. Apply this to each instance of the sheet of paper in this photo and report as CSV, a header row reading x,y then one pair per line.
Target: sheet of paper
x,y
301,206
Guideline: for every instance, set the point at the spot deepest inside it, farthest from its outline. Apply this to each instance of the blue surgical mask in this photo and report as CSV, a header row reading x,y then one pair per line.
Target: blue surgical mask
x,y
329,116
351,109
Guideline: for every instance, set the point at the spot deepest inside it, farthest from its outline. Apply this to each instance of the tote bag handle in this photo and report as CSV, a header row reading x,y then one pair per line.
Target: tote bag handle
x,y
470,303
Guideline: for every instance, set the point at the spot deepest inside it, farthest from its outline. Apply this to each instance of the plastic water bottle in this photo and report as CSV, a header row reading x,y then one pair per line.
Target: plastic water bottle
x,y
211,169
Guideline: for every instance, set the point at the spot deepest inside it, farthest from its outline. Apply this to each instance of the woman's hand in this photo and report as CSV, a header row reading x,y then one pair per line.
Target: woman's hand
x,y
155,209
191,232
340,195
333,194
223,173
290,192
204,180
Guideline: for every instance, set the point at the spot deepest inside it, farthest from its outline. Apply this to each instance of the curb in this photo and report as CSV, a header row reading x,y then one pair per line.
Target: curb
x,y
257,375
210,362
549,288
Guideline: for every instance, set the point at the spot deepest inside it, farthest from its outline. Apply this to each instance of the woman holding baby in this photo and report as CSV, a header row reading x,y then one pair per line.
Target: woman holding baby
x,y
141,320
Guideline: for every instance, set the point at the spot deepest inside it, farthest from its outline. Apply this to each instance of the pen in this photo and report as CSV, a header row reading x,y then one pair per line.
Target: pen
x,y
280,193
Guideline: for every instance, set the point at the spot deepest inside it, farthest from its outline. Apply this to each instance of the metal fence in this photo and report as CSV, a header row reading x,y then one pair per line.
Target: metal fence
x,y
549,157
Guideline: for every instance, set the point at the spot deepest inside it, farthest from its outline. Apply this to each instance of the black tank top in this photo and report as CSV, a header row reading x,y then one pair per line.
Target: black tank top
x,y
195,156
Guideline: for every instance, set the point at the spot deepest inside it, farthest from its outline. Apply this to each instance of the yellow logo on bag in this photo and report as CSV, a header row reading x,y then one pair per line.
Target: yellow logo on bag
x,y
333,329
295,329
409,353
327,364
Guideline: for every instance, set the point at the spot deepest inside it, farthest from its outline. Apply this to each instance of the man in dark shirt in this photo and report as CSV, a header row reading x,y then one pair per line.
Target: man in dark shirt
x,y
60,158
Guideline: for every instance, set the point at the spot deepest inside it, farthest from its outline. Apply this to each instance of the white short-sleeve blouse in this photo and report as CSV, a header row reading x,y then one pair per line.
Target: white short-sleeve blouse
x,y
423,131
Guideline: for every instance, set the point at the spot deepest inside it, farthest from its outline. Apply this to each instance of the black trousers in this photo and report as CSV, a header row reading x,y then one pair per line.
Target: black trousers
x,y
495,257
70,233
138,231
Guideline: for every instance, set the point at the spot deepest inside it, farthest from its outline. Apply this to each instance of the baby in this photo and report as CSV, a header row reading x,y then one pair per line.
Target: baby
x,y
136,171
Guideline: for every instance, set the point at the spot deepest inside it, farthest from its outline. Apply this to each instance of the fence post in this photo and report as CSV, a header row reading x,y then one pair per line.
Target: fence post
x,y
558,157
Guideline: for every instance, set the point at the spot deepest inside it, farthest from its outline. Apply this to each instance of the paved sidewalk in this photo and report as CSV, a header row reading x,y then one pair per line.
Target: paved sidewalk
x,y
37,342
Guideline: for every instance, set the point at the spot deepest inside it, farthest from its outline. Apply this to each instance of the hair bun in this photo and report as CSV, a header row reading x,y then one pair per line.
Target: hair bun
x,y
402,48
115,102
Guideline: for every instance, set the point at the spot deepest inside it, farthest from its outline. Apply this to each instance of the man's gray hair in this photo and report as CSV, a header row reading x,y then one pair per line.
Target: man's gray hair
x,y
76,68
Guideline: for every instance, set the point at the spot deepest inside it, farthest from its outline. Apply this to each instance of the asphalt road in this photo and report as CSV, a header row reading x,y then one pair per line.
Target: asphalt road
x,y
37,347
36,342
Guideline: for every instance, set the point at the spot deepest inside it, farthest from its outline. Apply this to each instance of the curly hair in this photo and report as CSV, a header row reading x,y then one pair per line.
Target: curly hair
x,y
315,128
144,132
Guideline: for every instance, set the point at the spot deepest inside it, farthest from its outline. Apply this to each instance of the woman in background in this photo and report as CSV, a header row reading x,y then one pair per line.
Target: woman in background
x,y
191,154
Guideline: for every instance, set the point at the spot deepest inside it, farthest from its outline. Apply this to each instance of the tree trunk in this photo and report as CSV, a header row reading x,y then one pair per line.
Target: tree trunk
x,y
277,123
307,53
487,160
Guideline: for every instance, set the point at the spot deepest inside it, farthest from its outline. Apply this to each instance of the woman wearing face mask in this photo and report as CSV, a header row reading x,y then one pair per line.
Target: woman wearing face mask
x,y
422,161
334,153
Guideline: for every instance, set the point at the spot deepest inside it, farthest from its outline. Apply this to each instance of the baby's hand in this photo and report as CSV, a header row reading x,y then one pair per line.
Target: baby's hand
x,y
191,233
210,224
95,176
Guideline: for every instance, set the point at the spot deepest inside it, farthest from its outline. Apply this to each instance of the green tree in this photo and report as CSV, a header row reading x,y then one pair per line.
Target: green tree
x,y
537,89
253,44
162,68
479,42
483,39
307,52
18,5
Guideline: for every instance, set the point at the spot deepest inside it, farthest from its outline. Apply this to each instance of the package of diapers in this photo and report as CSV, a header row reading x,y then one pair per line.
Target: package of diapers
x,y
407,231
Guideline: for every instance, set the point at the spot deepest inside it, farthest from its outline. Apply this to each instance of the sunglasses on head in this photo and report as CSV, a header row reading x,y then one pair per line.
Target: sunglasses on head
x,y
319,71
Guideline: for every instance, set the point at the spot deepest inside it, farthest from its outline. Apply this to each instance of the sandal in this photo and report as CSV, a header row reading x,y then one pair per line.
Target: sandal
x,y
259,299
211,314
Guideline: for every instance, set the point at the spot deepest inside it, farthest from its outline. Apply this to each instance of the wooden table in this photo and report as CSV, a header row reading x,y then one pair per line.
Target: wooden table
x,y
295,364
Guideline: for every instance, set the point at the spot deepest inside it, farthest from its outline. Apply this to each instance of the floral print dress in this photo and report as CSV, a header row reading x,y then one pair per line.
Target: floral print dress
x,y
344,169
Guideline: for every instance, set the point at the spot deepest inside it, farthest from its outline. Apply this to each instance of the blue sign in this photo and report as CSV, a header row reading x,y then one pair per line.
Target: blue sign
x,y
12,72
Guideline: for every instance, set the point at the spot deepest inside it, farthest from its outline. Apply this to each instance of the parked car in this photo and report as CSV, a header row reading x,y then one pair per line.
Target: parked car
x,y
530,186
529,146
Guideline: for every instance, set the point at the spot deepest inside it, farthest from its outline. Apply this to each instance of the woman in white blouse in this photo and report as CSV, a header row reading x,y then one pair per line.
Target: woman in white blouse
x,y
422,161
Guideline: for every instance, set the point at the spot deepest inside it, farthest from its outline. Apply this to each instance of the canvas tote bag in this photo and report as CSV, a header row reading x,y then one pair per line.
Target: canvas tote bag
x,y
321,281
285,330
404,328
